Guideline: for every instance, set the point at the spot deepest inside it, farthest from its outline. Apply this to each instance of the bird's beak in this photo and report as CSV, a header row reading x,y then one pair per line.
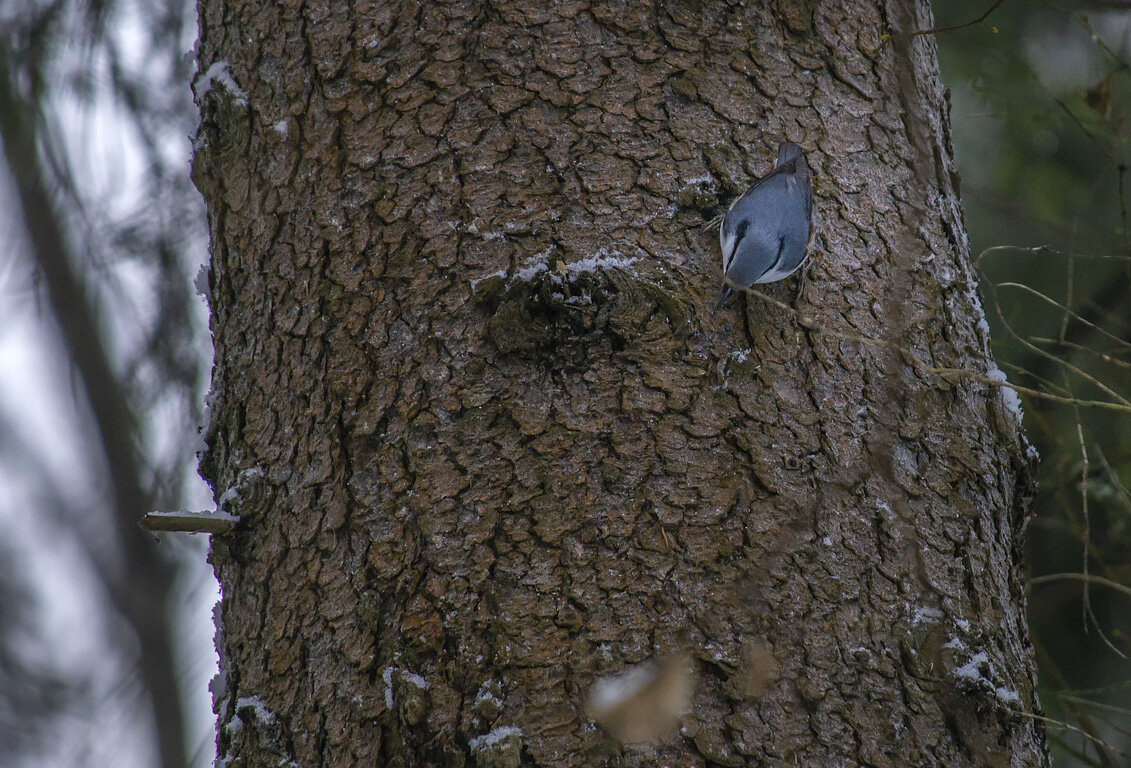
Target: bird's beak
x,y
727,290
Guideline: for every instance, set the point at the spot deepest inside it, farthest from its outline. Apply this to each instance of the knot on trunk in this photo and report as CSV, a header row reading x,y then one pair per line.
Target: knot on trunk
x,y
544,307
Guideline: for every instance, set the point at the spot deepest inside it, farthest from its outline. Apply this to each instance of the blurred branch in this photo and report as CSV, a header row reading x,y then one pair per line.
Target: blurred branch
x,y
979,20
1113,478
1114,291
1018,216
1124,712
1107,151
1091,578
1085,597
1068,312
1087,725
33,691
141,595
1044,250
1102,745
1103,4
1082,349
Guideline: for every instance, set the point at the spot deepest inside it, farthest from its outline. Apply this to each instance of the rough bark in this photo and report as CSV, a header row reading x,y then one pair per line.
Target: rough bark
x,y
488,444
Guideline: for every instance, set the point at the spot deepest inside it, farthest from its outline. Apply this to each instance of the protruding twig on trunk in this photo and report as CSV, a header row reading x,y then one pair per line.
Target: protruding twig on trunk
x,y
189,522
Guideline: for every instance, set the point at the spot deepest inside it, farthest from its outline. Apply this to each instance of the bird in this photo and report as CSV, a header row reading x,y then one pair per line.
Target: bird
x,y
766,233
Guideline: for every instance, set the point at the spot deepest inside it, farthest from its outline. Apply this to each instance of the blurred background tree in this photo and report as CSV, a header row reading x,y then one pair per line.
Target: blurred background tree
x,y
1041,93
103,351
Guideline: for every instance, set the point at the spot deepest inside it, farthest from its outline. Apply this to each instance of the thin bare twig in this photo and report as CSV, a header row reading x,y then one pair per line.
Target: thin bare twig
x,y
188,522
992,289
1045,250
1092,578
1113,478
1081,348
1068,299
1087,614
1061,724
979,20
1050,669
1084,602
1079,124
1047,355
1124,711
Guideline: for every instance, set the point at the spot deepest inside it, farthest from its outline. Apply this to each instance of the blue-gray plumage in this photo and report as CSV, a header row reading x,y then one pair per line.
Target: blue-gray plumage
x,y
766,233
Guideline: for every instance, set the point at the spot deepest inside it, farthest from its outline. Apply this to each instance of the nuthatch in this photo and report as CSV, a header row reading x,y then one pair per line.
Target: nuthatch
x,y
766,233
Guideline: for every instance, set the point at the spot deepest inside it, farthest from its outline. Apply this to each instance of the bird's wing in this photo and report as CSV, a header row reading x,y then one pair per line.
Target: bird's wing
x,y
787,167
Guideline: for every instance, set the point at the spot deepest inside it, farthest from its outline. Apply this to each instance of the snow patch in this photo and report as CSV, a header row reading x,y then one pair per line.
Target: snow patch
x,y
242,480
979,669
414,679
494,737
1009,396
262,714
601,260
1006,695
538,263
699,181
218,73
498,273
972,669
485,695
387,676
527,273
924,614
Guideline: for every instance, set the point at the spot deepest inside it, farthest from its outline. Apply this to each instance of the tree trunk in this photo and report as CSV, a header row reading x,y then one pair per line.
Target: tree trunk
x,y
489,445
